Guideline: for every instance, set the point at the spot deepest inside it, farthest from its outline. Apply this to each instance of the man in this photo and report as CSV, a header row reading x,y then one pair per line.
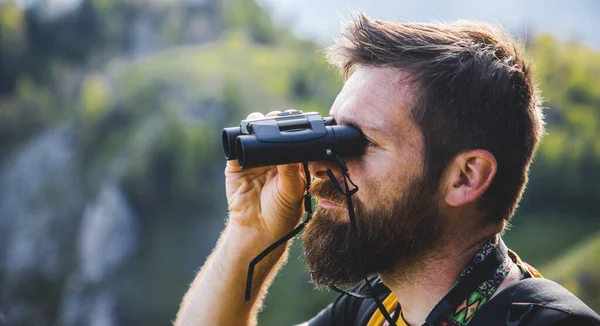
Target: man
x,y
453,119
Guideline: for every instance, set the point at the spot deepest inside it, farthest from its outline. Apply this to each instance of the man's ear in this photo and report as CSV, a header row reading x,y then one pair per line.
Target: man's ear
x,y
468,176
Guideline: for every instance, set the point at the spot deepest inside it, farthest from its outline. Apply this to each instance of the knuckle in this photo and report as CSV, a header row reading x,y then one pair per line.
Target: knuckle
x,y
255,115
272,113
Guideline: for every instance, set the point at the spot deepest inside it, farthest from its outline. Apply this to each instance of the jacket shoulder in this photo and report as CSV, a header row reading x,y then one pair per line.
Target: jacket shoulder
x,y
535,301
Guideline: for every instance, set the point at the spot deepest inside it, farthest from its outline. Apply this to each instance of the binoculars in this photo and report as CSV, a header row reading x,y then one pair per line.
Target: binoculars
x,y
290,137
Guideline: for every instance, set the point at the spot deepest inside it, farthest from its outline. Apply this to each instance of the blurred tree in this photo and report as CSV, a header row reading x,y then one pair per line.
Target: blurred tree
x,y
576,271
565,174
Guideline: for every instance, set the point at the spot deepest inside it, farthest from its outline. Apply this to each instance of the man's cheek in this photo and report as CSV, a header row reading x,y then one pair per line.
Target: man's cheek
x,y
364,200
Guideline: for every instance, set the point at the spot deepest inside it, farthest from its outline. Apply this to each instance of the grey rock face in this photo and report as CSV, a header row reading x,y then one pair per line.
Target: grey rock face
x,y
40,192
59,255
41,198
108,235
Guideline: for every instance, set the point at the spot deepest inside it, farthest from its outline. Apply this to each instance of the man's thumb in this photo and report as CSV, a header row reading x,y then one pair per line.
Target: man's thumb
x,y
290,179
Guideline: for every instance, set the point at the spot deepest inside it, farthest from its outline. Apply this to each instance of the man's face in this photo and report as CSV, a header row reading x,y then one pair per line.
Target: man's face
x,y
397,207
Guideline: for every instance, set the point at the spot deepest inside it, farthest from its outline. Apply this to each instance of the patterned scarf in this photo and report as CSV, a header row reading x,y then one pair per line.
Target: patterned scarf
x,y
465,312
477,299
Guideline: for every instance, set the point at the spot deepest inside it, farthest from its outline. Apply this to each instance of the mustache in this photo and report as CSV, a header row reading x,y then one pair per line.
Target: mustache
x,y
325,189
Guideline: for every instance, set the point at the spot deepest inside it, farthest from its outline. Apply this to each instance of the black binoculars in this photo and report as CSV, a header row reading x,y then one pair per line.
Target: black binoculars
x,y
290,137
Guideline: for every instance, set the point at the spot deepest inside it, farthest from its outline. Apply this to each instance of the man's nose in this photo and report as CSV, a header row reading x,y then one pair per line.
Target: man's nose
x,y
318,169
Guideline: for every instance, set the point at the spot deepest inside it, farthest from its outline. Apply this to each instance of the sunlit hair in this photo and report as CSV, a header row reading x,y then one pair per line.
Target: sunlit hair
x,y
474,90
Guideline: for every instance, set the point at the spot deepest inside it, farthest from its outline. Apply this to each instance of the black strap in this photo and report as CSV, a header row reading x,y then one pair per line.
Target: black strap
x,y
285,238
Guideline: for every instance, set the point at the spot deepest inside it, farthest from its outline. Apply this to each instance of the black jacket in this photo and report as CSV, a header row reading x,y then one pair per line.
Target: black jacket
x,y
531,301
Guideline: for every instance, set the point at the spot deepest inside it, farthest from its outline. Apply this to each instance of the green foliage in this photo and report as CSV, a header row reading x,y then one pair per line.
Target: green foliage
x,y
565,171
249,16
568,78
542,237
31,109
95,97
11,19
577,270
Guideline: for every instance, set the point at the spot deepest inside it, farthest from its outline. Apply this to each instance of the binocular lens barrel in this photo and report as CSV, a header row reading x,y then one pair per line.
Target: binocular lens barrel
x,y
229,137
251,152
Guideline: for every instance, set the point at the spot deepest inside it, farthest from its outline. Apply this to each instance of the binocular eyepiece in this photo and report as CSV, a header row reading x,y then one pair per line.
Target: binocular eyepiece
x,y
290,137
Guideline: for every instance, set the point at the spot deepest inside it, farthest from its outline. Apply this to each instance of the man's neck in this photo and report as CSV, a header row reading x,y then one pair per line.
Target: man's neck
x,y
431,278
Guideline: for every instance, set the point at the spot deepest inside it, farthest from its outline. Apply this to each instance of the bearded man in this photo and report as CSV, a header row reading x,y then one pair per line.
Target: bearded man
x,y
452,118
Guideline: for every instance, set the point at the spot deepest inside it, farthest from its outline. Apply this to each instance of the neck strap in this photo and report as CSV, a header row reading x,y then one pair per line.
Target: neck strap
x,y
284,239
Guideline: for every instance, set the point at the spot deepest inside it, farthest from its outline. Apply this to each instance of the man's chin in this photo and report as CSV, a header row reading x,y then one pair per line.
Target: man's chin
x,y
329,254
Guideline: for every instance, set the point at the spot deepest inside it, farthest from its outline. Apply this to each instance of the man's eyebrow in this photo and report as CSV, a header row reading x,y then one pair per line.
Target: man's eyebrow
x,y
362,126
366,127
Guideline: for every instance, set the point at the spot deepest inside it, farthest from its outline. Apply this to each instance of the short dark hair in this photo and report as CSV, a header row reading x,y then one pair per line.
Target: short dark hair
x,y
473,90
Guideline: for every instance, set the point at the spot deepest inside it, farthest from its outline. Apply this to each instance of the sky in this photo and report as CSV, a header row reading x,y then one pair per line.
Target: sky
x,y
568,20
320,19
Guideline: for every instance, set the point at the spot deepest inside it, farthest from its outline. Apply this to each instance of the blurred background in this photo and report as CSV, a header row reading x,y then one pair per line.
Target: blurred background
x,y
111,167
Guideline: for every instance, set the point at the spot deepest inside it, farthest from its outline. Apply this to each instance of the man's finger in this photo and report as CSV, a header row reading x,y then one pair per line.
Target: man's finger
x,y
290,181
273,113
232,167
255,115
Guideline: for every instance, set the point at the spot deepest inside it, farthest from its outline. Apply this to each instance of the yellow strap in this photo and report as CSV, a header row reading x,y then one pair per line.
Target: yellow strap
x,y
390,304
523,265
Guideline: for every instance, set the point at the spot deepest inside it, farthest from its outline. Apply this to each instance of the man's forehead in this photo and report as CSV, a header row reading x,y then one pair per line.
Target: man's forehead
x,y
374,97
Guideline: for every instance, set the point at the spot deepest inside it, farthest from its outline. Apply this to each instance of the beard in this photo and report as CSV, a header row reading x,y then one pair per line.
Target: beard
x,y
392,236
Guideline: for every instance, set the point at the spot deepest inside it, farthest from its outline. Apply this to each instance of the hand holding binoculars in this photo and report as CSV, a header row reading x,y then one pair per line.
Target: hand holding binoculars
x,y
290,137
